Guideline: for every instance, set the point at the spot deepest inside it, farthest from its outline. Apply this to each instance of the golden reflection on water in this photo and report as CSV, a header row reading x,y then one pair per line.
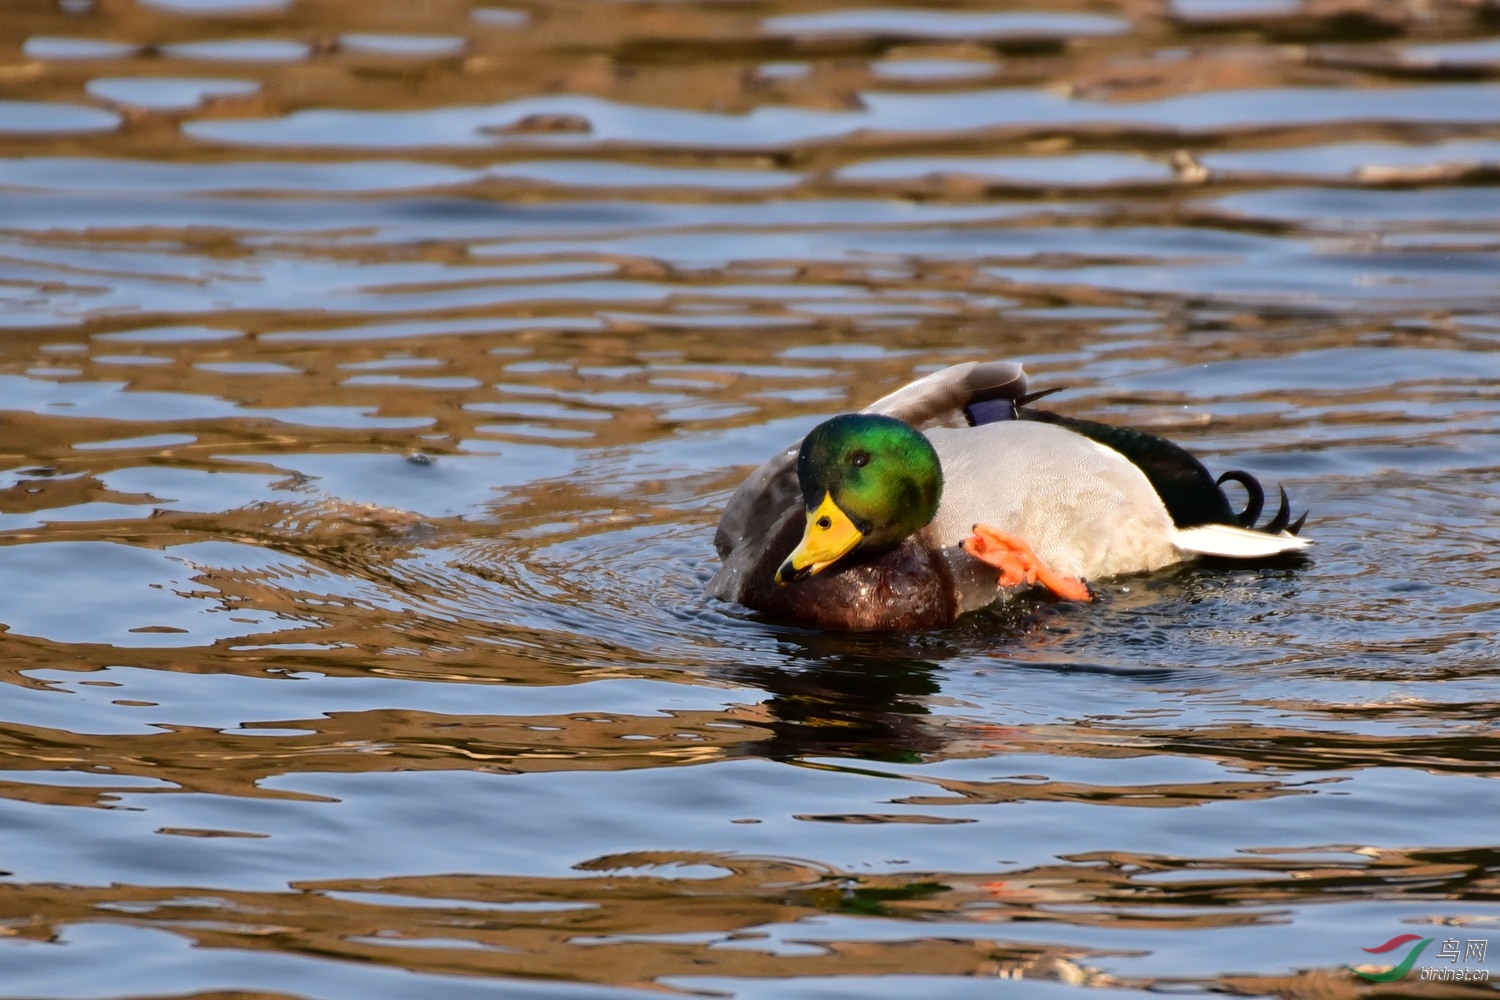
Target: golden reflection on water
x,y
371,375
639,922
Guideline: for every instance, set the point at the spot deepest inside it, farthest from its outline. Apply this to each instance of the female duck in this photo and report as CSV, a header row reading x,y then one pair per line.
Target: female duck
x,y
898,517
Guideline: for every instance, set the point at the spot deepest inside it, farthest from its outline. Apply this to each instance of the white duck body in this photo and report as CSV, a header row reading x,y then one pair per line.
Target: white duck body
x,y
1083,507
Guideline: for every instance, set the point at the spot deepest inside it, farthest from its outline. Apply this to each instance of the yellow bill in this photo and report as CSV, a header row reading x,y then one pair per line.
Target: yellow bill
x,y
828,537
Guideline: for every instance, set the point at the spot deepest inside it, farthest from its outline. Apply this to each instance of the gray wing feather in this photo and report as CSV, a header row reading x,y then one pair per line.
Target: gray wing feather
x,y
938,400
760,502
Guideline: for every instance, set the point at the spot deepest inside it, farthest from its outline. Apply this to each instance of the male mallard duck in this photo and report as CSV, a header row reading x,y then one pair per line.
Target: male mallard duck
x,y
897,517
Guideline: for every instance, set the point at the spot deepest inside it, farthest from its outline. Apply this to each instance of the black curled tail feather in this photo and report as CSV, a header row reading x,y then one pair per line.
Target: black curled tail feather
x,y
1282,521
1255,496
1255,499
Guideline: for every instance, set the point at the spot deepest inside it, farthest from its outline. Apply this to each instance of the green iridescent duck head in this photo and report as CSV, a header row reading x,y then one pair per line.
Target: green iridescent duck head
x,y
868,482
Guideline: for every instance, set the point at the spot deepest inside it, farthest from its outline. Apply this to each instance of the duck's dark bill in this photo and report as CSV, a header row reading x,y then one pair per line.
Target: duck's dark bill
x,y
787,574
829,535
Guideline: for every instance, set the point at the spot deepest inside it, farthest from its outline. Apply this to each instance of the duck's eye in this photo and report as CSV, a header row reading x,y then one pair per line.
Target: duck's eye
x,y
825,522
859,459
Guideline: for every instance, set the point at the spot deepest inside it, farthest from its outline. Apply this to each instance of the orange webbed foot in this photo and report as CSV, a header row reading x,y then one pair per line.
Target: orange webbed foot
x,y
1018,564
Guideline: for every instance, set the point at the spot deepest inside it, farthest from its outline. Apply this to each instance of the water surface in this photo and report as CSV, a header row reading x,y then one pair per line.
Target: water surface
x,y
371,377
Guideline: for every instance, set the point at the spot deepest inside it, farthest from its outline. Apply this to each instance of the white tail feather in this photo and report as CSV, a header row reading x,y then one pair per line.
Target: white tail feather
x,y
1235,543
